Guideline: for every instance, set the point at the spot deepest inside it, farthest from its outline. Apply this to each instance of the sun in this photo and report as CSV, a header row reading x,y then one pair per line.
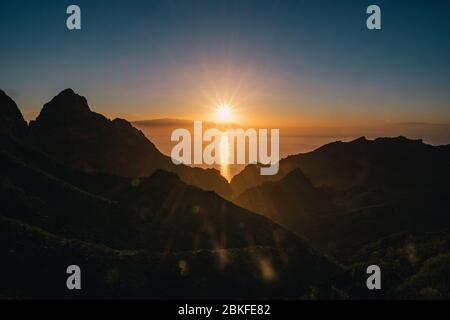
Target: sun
x,y
224,113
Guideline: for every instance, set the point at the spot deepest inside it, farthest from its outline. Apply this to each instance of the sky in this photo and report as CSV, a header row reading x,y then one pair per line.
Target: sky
x,y
290,62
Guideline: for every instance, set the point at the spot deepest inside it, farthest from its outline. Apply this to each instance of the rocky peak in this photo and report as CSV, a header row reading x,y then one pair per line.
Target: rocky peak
x,y
11,119
66,107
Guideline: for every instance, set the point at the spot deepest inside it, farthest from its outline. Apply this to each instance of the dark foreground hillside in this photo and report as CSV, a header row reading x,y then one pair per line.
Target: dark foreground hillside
x,y
34,263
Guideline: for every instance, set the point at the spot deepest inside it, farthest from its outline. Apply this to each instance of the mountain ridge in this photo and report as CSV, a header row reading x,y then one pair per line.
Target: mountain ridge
x,y
11,119
156,236
328,165
142,237
67,129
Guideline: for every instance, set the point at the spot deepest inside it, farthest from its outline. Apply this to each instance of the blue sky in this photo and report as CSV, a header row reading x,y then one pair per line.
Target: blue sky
x,y
312,60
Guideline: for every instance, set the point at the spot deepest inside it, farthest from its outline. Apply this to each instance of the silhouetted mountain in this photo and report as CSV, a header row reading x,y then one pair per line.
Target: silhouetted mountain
x,y
158,213
11,119
148,237
68,130
378,188
394,162
70,195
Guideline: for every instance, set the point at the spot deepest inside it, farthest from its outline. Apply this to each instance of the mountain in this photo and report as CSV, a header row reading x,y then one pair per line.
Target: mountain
x,y
11,119
154,236
346,195
148,237
394,162
159,213
69,131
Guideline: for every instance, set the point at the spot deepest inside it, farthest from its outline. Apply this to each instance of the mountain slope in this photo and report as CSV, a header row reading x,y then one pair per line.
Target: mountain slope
x,y
11,119
69,131
152,237
378,188
414,266
292,202
147,237
34,263
159,212
390,162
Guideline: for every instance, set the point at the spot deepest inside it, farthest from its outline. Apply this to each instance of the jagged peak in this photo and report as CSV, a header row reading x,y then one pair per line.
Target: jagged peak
x,y
65,105
11,119
360,139
4,95
67,91
69,95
